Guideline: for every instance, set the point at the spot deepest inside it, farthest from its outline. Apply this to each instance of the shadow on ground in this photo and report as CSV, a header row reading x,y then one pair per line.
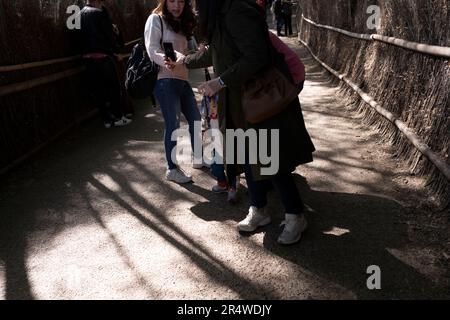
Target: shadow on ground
x,y
347,234
97,200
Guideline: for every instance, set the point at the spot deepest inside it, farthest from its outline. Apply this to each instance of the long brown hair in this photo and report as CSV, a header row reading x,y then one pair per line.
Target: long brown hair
x,y
187,22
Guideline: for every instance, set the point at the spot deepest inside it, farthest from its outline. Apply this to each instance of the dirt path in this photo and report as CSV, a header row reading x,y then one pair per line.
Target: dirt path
x,y
93,218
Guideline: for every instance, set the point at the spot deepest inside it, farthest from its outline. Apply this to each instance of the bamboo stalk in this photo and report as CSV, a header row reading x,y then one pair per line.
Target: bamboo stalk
x,y
21,86
409,134
438,51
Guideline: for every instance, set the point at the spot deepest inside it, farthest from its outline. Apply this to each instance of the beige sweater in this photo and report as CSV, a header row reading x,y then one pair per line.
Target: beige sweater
x,y
152,36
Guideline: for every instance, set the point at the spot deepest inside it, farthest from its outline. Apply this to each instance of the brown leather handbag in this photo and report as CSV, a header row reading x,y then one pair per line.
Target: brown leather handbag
x,y
266,95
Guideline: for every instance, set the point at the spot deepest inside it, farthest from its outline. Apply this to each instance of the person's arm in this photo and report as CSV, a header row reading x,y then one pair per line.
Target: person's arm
x,y
152,37
247,30
201,59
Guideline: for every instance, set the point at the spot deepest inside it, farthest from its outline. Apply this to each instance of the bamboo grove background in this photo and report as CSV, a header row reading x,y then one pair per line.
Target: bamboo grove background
x,y
414,86
35,30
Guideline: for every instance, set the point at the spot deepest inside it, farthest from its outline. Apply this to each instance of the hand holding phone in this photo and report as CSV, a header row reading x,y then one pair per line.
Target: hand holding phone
x,y
169,52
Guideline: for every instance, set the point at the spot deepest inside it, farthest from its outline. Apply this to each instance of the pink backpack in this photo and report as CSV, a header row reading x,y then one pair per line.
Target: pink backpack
x,y
296,66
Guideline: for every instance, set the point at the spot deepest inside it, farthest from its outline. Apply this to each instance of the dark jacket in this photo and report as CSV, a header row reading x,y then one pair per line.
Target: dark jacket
x,y
277,8
286,9
96,34
239,49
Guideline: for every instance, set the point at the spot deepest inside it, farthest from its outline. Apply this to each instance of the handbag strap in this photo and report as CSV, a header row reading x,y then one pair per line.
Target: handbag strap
x,y
162,31
207,75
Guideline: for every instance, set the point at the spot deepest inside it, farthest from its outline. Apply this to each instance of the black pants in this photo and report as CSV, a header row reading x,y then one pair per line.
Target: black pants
x,y
285,186
104,87
279,20
287,25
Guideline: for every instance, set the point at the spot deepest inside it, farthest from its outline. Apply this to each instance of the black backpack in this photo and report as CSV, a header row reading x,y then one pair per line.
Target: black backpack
x,y
142,73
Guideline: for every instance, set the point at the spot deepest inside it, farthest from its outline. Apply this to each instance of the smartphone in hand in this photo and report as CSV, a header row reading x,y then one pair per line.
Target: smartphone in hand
x,y
169,51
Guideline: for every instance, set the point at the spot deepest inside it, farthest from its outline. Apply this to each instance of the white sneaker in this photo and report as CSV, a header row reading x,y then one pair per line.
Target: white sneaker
x,y
294,225
122,122
178,176
255,218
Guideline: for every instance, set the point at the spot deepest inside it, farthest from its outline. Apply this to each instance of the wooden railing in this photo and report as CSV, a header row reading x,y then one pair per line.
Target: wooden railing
x,y
438,51
25,85
438,161
32,83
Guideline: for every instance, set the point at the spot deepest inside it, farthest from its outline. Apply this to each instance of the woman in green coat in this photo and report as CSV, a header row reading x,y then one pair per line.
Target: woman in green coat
x,y
238,48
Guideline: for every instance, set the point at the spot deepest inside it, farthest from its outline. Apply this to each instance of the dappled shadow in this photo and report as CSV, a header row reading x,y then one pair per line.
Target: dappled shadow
x,y
348,233
70,212
216,208
218,271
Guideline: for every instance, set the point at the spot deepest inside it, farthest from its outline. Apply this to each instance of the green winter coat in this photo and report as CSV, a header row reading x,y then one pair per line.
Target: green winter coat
x,y
239,49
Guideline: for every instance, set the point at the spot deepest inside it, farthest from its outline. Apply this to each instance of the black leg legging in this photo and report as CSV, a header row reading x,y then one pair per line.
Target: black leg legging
x,y
284,184
287,25
104,85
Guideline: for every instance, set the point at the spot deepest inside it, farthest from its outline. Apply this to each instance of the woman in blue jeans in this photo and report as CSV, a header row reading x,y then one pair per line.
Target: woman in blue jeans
x,y
173,22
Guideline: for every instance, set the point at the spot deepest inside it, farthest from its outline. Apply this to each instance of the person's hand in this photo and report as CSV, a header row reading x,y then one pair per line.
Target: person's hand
x,y
172,64
202,47
116,29
210,88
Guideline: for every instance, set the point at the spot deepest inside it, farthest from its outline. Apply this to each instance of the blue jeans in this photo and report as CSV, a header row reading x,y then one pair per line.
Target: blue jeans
x,y
218,171
175,97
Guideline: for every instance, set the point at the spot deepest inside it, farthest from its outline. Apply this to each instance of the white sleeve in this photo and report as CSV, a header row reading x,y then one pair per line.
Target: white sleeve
x,y
152,35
